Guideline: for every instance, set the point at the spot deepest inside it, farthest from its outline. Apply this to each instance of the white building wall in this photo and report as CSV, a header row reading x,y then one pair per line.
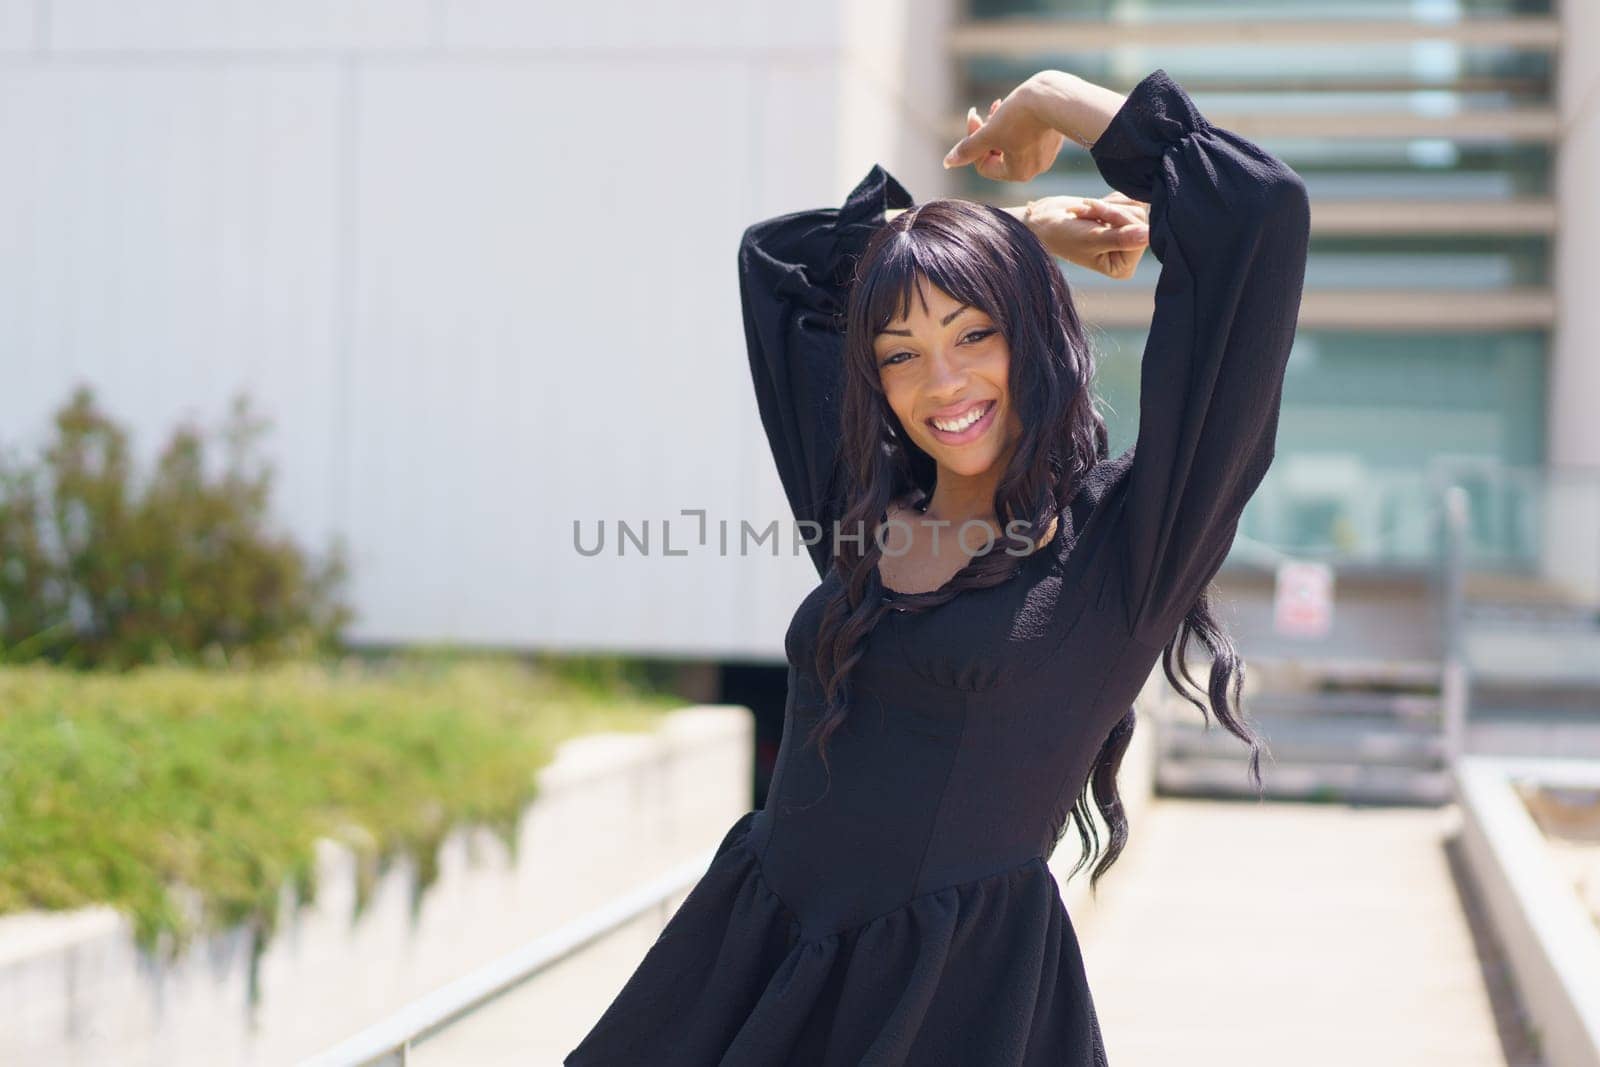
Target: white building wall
x,y
474,258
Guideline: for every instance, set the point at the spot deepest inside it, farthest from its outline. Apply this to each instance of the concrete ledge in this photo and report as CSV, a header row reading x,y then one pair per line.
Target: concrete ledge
x,y
612,809
1550,940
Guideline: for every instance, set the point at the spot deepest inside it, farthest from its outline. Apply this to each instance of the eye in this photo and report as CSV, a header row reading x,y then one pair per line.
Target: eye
x,y
971,335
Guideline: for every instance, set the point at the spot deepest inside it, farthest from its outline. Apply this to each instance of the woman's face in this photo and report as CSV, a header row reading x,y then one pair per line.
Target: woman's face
x,y
944,371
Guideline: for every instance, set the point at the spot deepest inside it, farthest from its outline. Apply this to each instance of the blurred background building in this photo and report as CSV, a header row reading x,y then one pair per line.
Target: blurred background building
x,y
475,260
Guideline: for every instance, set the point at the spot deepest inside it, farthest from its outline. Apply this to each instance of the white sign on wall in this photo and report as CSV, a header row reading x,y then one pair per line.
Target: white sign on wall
x,y
1302,603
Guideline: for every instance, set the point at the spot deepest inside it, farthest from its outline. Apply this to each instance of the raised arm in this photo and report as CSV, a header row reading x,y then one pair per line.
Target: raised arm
x,y
794,277
1230,225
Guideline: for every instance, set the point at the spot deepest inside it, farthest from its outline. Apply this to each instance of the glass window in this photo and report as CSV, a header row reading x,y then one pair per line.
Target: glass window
x,y
1372,423
1155,10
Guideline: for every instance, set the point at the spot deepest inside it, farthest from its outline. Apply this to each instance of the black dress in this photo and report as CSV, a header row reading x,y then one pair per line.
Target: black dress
x,y
902,912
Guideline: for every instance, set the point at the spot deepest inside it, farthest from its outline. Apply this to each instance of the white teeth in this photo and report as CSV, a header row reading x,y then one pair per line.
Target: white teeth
x,y
957,425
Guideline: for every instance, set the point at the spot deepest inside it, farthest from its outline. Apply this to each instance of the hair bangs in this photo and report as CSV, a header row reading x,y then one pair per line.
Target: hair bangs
x,y
935,255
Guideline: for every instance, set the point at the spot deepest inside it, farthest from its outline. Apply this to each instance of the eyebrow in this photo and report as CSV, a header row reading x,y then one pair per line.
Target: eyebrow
x,y
942,322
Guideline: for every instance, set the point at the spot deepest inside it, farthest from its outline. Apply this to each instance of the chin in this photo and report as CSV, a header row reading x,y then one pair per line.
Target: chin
x,y
968,464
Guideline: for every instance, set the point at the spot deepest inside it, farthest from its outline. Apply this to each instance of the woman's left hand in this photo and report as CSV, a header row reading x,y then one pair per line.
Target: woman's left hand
x,y
1106,234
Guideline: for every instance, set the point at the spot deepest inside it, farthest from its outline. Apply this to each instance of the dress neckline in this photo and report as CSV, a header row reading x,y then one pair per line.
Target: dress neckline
x,y
892,595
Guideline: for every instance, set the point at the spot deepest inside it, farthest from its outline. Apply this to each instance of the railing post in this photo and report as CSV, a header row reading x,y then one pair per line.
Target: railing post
x,y
1454,682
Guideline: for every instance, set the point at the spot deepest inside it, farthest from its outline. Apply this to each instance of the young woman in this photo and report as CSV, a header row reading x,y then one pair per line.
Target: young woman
x,y
995,588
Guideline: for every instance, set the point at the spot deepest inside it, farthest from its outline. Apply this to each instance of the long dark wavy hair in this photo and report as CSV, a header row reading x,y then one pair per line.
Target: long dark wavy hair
x,y
985,257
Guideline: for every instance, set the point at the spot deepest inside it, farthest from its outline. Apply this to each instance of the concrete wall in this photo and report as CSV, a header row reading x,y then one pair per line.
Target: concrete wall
x,y
475,259
614,810
1548,938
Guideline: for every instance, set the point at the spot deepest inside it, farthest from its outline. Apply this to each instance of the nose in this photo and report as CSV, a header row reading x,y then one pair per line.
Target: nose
x,y
947,377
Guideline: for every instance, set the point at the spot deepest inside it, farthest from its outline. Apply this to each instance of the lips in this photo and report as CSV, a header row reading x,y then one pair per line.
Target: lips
x,y
969,432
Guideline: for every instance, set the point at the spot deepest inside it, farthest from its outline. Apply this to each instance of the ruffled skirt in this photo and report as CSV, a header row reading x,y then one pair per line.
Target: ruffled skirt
x,y
987,973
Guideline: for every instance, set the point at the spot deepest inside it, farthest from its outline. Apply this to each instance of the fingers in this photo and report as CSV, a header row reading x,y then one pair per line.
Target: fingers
x,y
1105,236
1112,213
1116,227
996,167
975,146
976,150
1124,238
1117,265
971,148
1097,239
974,122
980,146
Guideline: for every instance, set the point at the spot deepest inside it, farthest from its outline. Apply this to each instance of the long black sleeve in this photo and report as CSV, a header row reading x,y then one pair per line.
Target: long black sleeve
x,y
794,277
1230,225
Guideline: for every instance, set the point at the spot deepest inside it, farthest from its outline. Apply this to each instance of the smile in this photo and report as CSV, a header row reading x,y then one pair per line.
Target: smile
x,y
969,425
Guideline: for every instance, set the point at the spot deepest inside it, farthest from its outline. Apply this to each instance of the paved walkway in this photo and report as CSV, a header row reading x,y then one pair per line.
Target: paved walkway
x,y
1248,933
1230,932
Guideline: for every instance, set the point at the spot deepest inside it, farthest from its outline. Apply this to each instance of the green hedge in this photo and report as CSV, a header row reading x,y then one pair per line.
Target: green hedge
x,y
189,798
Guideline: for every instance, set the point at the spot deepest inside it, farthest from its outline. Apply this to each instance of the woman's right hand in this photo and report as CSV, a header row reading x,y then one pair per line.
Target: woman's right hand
x,y
1015,141
1106,234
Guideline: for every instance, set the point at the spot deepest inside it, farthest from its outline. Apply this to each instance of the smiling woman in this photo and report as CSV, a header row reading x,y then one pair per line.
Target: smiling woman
x,y
946,383
892,903
944,345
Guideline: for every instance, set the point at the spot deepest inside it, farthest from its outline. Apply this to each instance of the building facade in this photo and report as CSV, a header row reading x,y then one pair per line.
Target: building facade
x,y
475,260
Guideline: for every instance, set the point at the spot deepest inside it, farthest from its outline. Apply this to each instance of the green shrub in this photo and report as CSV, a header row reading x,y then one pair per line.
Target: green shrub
x,y
191,798
99,568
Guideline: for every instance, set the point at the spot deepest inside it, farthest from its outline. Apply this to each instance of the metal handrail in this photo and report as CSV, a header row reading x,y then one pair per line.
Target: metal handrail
x,y
389,1041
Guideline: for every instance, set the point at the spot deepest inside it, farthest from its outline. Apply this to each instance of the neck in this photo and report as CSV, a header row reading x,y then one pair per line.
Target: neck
x,y
959,498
